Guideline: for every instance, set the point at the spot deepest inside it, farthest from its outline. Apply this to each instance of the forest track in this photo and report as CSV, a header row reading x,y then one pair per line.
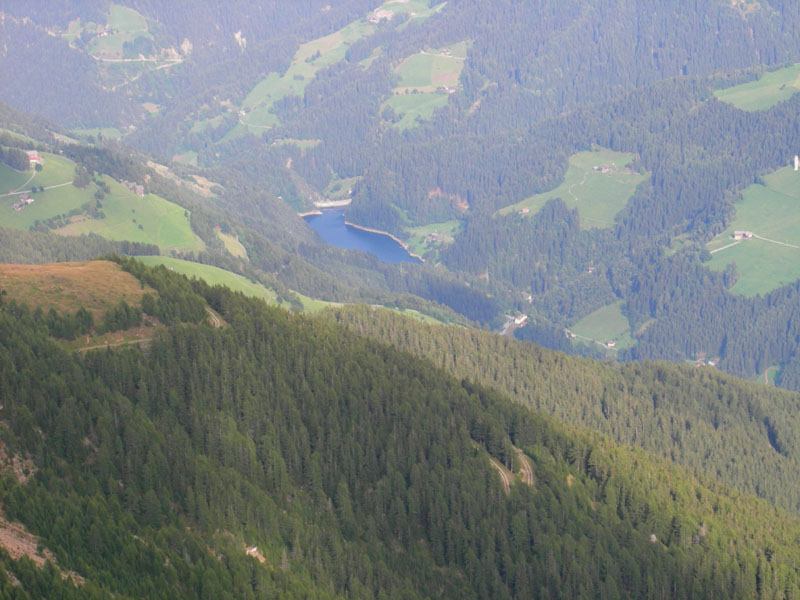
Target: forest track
x,y
503,475
115,345
214,318
525,467
763,239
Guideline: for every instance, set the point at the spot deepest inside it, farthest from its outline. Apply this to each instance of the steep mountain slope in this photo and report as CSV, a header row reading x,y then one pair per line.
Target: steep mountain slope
x,y
349,468
739,432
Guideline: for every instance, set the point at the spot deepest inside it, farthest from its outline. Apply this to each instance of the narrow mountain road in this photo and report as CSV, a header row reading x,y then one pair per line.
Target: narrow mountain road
x,y
503,475
115,345
525,467
49,187
725,247
763,239
214,318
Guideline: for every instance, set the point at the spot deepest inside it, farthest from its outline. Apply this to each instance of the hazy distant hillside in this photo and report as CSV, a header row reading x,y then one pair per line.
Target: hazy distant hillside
x,y
584,163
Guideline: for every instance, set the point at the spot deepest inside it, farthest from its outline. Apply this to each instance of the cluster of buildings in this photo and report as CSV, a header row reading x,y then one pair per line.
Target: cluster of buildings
x,y
33,157
23,201
134,187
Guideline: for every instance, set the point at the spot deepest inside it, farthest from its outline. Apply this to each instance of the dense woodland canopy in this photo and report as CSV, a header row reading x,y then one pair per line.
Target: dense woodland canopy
x,y
356,469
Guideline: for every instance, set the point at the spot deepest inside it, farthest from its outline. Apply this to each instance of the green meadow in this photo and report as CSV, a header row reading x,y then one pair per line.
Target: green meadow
x,y
771,211
606,324
310,58
598,196
238,283
187,158
55,170
232,245
122,25
765,92
416,95
11,180
339,189
46,205
213,276
427,238
150,219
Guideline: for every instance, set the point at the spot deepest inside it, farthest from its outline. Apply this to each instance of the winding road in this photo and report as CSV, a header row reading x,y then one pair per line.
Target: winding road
x,y
214,318
503,475
525,467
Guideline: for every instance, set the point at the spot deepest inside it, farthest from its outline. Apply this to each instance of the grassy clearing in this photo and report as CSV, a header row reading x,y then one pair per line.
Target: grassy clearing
x,y
427,238
233,245
95,285
213,276
765,92
124,25
55,170
770,211
432,68
425,80
46,205
150,219
606,324
19,137
127,217
339,189
186,158
310,58
237,283
415,108
11,180
598,196
302,144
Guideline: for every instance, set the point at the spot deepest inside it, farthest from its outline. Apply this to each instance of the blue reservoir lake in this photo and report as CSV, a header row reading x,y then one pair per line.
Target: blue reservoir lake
x,y
331,227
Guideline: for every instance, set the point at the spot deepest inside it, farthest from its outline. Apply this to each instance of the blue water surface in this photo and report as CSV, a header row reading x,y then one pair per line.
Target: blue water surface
x,y
331,227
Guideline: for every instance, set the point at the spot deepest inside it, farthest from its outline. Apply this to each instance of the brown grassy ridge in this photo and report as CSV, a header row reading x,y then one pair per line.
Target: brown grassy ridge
x,y
95,285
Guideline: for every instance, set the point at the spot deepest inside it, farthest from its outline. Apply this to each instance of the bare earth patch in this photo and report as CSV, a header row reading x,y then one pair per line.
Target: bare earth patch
x,y
18,543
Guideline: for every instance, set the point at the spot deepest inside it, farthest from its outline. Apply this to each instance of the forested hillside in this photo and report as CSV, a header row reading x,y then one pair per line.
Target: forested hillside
x,y
347,468
722,428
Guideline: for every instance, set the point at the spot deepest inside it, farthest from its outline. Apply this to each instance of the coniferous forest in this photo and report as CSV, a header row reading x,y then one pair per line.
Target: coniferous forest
x,y
355,469
585,384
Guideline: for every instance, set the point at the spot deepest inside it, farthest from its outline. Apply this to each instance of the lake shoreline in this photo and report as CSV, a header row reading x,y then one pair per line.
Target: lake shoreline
x,y
400,242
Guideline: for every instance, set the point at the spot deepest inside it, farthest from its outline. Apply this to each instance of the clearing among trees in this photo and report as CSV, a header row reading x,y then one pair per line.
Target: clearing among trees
x,y
771,211
426,80
765,92
598,183
606,324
